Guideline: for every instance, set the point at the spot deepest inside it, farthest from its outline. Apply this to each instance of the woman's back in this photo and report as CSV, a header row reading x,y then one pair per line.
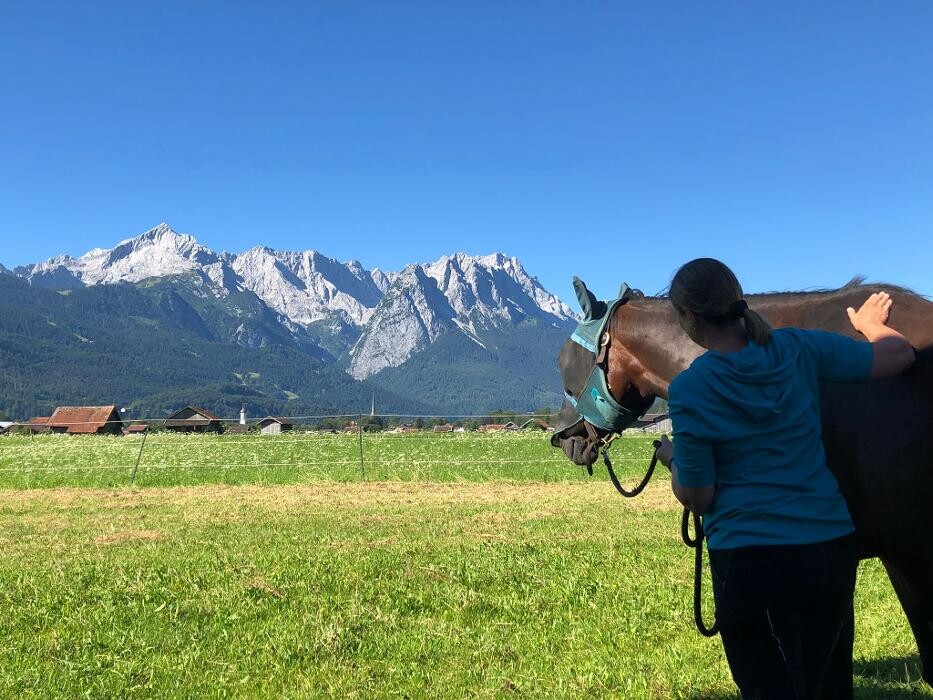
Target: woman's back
x,y
749,421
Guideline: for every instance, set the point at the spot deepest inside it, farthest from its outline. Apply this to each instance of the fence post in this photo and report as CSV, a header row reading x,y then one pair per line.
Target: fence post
x,y
362,468
139,456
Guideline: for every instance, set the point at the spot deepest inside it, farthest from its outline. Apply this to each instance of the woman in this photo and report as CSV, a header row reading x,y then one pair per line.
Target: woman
x,y
748,456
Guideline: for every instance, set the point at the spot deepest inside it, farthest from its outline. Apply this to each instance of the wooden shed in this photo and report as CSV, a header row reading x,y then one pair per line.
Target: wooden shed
x,y
77,420
270,425
192,419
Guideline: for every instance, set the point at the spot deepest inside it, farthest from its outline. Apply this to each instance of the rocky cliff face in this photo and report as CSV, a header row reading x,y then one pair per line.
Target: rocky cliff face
x,y
456,294
411,315
307,287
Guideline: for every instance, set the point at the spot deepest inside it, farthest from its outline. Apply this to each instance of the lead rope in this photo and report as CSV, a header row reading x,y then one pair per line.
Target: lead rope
x,y
696,543
644,482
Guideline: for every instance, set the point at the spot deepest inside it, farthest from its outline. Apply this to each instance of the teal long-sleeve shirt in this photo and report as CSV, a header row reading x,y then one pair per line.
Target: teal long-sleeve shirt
x,y
749,423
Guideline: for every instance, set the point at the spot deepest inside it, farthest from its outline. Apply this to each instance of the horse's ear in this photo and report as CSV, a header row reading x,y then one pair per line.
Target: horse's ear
x,y
585,297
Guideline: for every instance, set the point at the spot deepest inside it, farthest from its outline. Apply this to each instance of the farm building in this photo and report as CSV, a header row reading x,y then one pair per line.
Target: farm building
x,y
661,423
534,424
192,419
497,427
136,429
445,428
85,420
271,425
38,424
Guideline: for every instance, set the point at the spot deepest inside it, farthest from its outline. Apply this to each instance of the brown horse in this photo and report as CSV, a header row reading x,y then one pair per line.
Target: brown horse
x,y
878,435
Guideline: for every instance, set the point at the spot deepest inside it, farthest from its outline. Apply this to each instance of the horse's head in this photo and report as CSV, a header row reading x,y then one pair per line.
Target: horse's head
x,y
601,396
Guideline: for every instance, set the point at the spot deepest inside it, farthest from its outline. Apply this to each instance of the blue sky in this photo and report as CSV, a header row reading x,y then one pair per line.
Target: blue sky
x,y
609,140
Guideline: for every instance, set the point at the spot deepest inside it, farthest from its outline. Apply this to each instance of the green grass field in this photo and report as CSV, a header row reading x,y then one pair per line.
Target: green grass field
x,y
473,566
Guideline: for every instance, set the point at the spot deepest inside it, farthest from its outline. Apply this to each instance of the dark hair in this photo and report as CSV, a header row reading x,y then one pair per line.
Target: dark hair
x,y
711,290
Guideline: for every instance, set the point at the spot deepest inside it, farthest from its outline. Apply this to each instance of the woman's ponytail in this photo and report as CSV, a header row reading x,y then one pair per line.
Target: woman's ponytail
x,y
757,327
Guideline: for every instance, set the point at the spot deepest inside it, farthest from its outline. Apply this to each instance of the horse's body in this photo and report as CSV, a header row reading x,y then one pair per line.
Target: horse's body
x,y
878,435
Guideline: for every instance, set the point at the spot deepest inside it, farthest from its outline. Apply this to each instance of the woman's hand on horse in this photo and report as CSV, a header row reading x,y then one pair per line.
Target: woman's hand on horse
x,y
872,314
892,352
665,452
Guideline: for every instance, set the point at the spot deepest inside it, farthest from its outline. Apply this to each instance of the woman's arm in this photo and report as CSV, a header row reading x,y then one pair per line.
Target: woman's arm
x,y
697,500
892,353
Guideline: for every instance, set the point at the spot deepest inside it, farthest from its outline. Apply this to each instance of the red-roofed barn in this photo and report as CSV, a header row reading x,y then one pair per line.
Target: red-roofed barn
x,y
86,420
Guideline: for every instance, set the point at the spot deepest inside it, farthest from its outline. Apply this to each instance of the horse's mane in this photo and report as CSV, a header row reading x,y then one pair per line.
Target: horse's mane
x,y
857,283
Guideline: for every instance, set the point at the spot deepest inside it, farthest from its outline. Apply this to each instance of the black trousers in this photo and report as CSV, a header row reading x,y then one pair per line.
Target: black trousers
x,y
786,618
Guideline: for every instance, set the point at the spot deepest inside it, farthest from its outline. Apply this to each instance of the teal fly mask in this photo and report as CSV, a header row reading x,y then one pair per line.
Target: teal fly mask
x,y
595,403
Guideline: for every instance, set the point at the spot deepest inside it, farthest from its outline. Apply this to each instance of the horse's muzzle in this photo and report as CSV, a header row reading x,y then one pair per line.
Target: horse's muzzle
x,y
580,450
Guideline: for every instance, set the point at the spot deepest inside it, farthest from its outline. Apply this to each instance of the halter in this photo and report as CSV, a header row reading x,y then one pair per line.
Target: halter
x,y
595,403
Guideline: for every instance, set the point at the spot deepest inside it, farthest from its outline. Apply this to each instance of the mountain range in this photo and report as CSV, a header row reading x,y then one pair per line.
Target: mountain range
x,y
462,334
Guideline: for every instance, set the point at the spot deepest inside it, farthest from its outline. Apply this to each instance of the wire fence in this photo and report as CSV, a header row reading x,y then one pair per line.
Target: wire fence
x,y
296,449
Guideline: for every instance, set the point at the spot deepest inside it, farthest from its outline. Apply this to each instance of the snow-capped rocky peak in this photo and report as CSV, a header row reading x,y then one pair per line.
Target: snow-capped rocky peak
x,y
494,286
52,273
163,237
159,252
382,280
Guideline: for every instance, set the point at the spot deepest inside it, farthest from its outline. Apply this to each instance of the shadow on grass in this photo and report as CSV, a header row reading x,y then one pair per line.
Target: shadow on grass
x,y
899,670
893,678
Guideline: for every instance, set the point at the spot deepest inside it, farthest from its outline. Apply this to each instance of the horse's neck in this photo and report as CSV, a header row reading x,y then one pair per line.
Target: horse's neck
x,y
651,333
